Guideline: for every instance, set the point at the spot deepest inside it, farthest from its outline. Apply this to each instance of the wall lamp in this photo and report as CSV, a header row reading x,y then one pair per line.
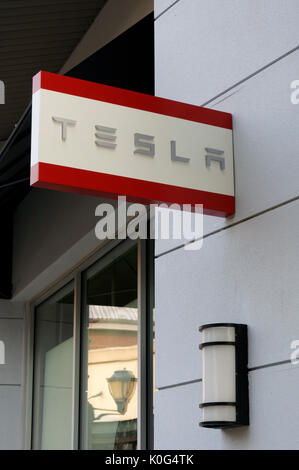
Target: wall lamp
x,y
225,375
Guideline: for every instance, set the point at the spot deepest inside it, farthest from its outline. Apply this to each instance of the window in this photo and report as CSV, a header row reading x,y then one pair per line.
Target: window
x,y
53,365
92,358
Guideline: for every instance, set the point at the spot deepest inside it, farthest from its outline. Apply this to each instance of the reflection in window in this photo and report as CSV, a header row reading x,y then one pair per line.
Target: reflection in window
x,y
53,365
111,316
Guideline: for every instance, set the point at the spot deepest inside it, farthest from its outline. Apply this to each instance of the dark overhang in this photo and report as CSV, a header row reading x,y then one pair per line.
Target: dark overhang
x,y
126,62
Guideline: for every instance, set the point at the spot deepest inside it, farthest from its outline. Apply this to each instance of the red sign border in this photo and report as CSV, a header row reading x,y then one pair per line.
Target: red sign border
x,y
49,176
130,99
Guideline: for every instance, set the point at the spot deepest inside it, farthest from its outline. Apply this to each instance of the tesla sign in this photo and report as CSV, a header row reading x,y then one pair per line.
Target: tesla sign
x,y
95,139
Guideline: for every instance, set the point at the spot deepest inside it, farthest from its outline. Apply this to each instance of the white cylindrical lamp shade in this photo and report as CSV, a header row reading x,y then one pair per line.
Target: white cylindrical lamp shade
x,y
219,379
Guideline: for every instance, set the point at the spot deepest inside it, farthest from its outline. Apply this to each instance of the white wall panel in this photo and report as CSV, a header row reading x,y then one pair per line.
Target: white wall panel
x,y
274,415
206,46
246,274
266,143
10,422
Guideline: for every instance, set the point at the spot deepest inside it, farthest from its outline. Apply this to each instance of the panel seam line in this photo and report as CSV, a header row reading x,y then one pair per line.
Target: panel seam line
x,y
11,318
283,56
166,9
250,369
265,211
10,385
180,384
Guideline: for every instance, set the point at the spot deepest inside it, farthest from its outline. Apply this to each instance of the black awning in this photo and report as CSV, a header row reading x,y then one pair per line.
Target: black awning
x,y
14,185
15,164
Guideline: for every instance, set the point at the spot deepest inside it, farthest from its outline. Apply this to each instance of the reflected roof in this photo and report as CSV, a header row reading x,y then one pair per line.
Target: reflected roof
x,y
108,313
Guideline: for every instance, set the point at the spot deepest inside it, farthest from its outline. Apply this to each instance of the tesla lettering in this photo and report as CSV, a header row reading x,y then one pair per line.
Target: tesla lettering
x,y
144,144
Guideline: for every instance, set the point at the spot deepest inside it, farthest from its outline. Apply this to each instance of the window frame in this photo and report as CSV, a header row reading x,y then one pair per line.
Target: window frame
x,y
104,256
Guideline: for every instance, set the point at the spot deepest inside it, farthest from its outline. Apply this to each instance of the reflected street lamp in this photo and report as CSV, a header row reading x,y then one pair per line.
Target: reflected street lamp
x,y
122,386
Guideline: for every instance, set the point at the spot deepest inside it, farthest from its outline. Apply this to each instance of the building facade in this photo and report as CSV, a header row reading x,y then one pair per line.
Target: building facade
x,y
238,57
78,316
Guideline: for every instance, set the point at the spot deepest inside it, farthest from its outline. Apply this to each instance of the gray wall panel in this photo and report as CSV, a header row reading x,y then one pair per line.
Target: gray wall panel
x,y
162,5
10,422
11,334
11,309
206,46
47,224
274,415
246,274
266,143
